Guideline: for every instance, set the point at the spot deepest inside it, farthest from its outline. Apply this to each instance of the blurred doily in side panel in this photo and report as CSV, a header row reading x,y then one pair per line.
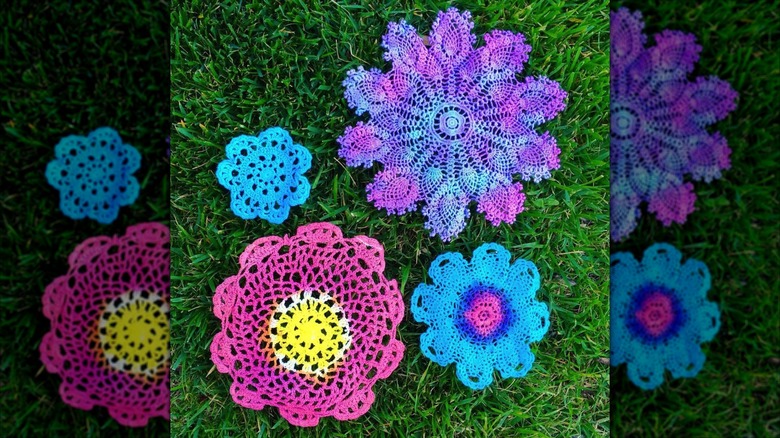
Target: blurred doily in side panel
x,y
110,327
94,175
659,124
659,314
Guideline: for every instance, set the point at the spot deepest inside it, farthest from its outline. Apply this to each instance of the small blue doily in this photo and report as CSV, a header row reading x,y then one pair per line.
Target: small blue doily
x,y
94,175
265,175
481,315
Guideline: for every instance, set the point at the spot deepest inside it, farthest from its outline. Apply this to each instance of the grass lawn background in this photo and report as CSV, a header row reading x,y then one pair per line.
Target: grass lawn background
x,y
734,230
241,67
68,68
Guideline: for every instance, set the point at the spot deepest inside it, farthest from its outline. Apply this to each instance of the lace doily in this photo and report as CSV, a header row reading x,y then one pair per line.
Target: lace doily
x,y
659,124
308,325
94,175
481,315
451,124
265,175
659,314
109,325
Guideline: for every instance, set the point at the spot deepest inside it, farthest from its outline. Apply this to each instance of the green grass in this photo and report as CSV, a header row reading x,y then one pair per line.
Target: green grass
x,y
68,69
734,231
241,67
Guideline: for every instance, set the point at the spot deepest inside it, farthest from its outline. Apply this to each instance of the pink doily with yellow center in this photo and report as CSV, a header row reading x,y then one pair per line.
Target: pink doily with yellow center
x,y
308,325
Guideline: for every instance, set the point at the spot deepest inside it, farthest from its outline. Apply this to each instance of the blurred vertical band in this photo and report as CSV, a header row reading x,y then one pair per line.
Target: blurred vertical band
x,y
715,157
68,68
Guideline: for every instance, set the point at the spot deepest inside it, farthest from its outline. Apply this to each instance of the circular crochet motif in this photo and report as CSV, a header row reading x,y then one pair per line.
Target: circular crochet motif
x,y
655,314
265,175
134,333
481,315
484,314
660,314
109,325
659,124
309,333
308,325
451,124
94,175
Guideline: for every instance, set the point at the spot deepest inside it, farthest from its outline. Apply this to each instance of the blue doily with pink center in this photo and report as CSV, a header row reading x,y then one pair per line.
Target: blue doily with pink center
x,y
481,315
660,314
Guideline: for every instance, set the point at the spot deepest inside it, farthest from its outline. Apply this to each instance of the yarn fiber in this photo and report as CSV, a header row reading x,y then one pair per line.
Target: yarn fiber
x,y
264,175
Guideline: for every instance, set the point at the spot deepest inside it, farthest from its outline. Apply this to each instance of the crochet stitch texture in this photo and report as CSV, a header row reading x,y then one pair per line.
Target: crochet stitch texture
x,y
451,124
265,175
308,325
109,325
94,175
659,314
481,315
659,124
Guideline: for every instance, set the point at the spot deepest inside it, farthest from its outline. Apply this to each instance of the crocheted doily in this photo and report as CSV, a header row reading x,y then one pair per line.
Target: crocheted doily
x,y
109,325
659,314
659,124
481,315
451,124
308,325
265,175
94,175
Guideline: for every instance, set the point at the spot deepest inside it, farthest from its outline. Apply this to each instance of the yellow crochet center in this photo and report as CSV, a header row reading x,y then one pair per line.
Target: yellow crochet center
x,y
310,333
134,333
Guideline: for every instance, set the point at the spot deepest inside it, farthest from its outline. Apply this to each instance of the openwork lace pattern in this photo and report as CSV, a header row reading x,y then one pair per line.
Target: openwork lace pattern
x,y
660,314
308,325
110,327
481,315
659,123
94,175
451,124
265,175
